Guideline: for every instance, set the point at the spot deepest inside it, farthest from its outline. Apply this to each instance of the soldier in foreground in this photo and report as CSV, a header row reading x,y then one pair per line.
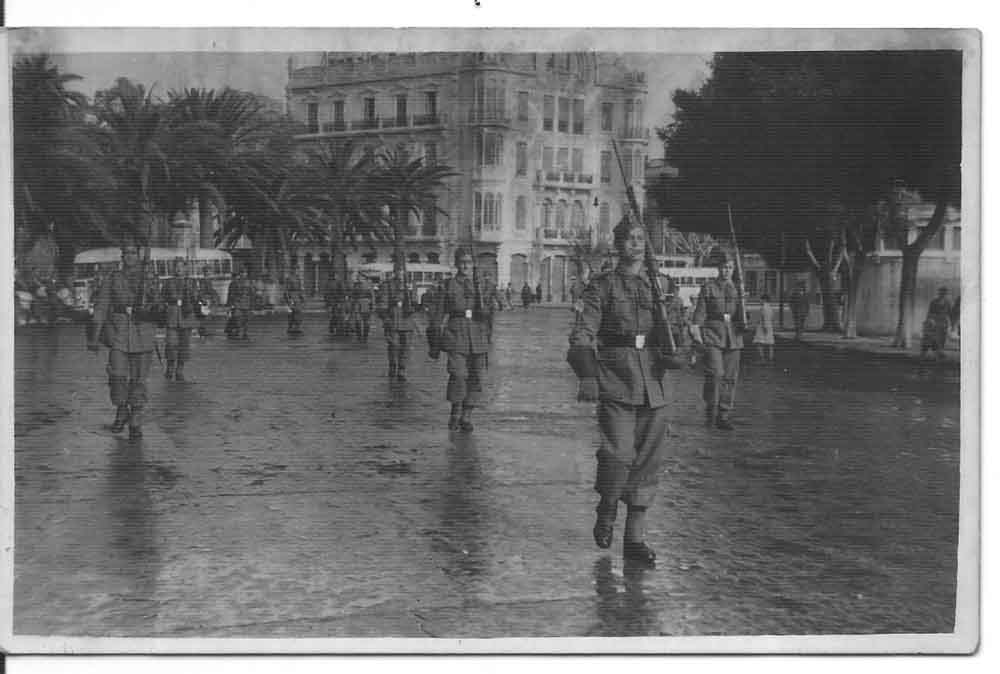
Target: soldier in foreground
x,y
613,353
183,314
396,306
718,326
125,315
461,320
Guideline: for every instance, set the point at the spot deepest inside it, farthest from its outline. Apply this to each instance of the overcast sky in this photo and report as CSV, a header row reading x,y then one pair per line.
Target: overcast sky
x,y
266,73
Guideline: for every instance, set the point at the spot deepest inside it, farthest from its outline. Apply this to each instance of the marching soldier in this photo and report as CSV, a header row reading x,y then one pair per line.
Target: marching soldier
x,y
462,321
396,306
718,326
362,301
183,309
240,298
125,315
620,369
294,298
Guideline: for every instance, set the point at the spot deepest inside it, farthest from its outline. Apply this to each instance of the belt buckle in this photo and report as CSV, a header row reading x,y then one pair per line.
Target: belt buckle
x,y
640,341
725,317
179,302
468,313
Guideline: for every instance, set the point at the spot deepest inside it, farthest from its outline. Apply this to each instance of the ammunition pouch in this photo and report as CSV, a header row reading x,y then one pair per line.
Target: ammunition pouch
x,y
583,360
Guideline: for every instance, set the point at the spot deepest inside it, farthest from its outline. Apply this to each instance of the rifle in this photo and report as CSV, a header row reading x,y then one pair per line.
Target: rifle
x,y
661,321
739,269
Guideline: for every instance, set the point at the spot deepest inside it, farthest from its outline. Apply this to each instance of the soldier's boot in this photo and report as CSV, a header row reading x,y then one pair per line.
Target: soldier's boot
x,y
454,419
135,424
179,374
465,422
607,513
634,548
121,418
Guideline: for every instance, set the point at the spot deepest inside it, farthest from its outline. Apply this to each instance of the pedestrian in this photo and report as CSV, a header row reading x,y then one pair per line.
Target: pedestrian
x,y
509,296
718,327
240,299
526,295
125,317
396,306
937,325
294,299
763,335
362,302
799,301
462,318
182,308
956,317
624,373
538,294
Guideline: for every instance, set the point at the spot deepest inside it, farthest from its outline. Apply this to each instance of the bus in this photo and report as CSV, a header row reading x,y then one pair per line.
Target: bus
x,y
212,268
419,275
688,280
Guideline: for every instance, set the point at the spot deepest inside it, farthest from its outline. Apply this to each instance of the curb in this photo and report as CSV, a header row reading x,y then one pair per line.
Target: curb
x,y
952,358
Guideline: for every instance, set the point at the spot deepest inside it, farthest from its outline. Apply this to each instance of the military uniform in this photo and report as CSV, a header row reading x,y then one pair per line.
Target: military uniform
x,y
362,301
182,300
396,306
465,337
241,300
617,319
124,321
719,315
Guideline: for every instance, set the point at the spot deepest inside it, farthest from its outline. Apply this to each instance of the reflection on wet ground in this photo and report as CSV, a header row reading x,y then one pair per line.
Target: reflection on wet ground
x,y
291,489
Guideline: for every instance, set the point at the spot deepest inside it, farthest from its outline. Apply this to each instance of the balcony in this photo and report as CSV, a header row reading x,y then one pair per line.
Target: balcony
x,y
633,133
334,127
494,117
563,178
426,121
429,119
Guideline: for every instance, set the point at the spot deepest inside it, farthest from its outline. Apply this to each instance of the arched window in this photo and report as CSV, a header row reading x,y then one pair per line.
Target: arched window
x,y
433,258
577,216
413,258
489,217
547,213
521,212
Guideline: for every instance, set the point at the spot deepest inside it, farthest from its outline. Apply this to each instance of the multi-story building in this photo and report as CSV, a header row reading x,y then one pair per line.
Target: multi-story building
x,y
529,134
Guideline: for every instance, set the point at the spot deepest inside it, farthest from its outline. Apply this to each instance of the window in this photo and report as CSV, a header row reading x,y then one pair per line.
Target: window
x,y
522,159
522,106
563,123
605,167
495,103
627,168
550,62
547,159
401,110
562,159
413,258
369,109
605,220
956,238
433,258
431,103
338,114
487,210
578,116
547,213
430,154
607,116
577,216
548,112
312,110
561,210
629,115
577,160
521,213
492,154
477,212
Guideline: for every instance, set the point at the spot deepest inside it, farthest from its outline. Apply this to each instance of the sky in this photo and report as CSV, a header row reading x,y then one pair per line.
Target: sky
x,y
266,73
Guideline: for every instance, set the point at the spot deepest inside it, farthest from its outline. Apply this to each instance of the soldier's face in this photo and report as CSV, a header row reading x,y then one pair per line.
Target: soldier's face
x,y
725,270
130,256
634,246
465,265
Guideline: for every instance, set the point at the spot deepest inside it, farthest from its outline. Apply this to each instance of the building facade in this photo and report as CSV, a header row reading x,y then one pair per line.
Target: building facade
x,y
529,134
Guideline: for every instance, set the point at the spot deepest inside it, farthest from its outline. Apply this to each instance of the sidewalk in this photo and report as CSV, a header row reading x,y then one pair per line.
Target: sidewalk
x,y
876,346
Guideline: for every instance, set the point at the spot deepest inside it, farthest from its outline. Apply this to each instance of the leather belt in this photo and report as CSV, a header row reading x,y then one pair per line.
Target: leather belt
x,y
625,341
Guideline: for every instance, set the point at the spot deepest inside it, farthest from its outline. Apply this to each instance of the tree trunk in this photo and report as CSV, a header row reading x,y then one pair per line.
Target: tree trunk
x,y
206,230
907,299
831,307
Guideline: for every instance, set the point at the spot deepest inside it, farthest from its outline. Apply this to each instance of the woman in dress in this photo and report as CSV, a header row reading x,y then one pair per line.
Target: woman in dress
x,y
763,336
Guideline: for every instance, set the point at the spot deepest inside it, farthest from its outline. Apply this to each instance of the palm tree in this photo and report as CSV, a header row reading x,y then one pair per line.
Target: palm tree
x,y
60,171
405,186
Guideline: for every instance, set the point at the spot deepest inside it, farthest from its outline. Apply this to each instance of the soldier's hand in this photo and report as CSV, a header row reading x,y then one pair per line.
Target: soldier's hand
x,y
588,390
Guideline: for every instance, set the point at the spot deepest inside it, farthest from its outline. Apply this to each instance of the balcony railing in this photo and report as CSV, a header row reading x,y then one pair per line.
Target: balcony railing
x,y
429,119
369,124
567,234
334,127
501,117
564,177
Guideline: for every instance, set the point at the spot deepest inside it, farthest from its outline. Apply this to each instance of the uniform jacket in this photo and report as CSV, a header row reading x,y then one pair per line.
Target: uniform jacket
x,y
617,306
119,312
718,299
181,297
362,297
460,334
241,294
396,309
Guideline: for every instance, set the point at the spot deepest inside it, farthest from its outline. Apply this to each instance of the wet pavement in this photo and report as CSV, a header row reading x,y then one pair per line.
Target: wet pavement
x,y
290,490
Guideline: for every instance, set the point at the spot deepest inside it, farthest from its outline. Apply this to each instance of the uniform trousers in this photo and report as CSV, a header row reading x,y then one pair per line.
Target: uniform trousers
x,y
465,378
631,452
242,320
127,374
397,343
721,369
178,345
